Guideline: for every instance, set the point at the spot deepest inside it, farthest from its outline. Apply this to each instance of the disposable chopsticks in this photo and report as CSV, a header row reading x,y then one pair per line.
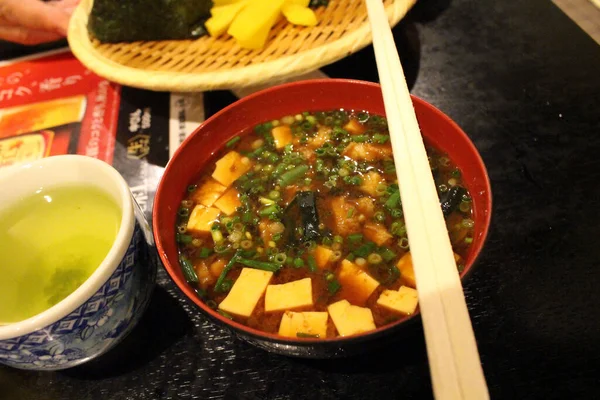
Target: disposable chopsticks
x,y
454,362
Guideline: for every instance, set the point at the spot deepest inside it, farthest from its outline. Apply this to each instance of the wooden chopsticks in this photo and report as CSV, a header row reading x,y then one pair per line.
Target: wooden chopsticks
x,y
454,363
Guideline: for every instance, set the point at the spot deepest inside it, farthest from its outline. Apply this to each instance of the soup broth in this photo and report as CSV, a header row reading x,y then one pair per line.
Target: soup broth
x,y
297,227
50,243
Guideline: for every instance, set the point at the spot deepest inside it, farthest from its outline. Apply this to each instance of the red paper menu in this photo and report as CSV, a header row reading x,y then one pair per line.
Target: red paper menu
x,y
51,104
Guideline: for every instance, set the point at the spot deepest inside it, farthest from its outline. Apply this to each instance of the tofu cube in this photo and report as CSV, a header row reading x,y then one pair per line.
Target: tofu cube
x,y
246,292
354,127
202,219
323,256
282,135
349,319
367,151
322,136
377,233
403,300
289,296
310,323
370,183
407,272
357,285
208,192
230,167
229,202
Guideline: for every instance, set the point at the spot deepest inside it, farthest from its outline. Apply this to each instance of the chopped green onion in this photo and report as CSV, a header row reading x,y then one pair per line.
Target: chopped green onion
x,y
212,304
374,258
355,238
188,270
444,161
455,173
467,223
387,254
389,168
223,313
265,201
204,252
365,249
464,206
327,241
360,261
381,139
216,234
312,264
201,293
360,138
270,210
343,172
298,262
280,258
403,243
385,274
381,189
379,216
263,128
256,153
233,141
226,270
338,239
274,195
262,265
221,248
353,180
183,238
396,213
246,244
333,286
293,175
191,188
183,212
393,201
468,240
226,285
307,335
350,213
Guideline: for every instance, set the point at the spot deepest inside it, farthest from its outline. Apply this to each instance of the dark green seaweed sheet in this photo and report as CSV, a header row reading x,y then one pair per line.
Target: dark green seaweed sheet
x,y
114,21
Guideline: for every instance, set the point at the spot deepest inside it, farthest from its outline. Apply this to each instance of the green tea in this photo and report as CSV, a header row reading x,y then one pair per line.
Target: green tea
x,y
50,243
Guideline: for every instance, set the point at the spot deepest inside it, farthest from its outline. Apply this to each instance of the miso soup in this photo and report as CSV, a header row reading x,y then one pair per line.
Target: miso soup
x,y
297,228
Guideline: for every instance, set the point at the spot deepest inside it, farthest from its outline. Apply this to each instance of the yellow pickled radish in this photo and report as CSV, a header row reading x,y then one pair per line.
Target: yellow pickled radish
x,y
299,15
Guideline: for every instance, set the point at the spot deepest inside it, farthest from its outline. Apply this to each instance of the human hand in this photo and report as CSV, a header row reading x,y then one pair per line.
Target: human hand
x,y
34,21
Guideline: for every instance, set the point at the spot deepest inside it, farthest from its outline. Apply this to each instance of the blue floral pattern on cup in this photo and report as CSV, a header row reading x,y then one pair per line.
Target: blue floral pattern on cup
x,y
99,323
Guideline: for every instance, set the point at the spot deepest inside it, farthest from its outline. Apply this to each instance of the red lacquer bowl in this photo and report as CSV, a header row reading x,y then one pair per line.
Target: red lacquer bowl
x,y
314,95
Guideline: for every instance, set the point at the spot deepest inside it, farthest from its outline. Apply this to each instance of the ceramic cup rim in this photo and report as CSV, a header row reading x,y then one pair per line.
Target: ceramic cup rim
x,y
106,267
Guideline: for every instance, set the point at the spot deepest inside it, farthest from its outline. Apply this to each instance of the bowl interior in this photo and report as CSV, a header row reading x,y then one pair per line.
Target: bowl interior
x,y
195,153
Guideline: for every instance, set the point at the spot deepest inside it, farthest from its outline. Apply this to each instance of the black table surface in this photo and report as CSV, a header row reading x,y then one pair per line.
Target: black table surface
x,y
523,81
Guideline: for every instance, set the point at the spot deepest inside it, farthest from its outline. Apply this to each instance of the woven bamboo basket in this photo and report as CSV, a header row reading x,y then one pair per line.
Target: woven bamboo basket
x,y
219,63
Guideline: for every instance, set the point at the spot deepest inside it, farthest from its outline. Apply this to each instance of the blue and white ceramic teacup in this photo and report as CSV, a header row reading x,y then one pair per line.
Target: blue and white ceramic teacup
x,y
104,309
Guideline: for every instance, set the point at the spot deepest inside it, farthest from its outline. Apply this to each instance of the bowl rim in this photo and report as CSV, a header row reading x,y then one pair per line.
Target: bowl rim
x,y
299,342
103,271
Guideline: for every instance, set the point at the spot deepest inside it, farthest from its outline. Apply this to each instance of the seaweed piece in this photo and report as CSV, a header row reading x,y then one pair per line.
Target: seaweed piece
x,y
302,209
451,199
114,21
318,3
